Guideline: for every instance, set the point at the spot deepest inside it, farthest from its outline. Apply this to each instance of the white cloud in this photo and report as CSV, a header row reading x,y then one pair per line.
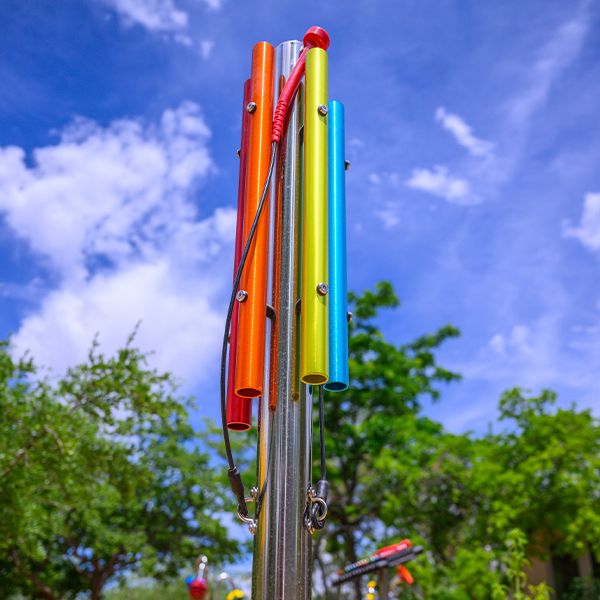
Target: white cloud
x,y
536,355
155,15
213,4
463,134
439,182
101,191
518,342
588,231
527,354
487,168
110,212
160,16
206,48
388,215
553,58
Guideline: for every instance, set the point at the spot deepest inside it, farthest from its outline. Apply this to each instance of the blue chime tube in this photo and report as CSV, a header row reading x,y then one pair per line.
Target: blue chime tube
x,y
338,292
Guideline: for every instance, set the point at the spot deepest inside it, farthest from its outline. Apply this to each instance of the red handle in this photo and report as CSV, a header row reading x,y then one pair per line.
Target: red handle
x,y
315,37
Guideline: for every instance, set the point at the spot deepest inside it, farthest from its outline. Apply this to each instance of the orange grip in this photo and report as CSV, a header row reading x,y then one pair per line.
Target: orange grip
x,y
249,372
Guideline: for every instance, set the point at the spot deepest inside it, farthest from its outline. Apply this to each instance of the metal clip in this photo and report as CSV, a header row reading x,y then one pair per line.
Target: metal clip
x,y
252,523
316,511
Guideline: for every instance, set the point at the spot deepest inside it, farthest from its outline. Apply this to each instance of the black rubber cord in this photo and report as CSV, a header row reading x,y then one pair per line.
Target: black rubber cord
x,y
322,431
235,479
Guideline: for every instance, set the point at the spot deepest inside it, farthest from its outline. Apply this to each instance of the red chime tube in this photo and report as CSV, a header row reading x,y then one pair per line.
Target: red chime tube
x,y
239,410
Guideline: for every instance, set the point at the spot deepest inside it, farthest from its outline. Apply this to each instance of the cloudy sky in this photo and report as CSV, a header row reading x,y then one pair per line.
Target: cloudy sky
x,y
473,132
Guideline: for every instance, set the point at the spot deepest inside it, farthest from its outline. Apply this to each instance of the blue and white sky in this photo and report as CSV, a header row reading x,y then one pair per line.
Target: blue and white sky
x,y
474,137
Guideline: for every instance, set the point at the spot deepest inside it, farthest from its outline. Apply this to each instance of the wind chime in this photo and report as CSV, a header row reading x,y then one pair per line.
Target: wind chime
x,y
286,334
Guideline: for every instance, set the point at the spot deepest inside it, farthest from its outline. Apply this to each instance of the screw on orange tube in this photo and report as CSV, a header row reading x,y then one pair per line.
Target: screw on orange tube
x,y
249,372
239,410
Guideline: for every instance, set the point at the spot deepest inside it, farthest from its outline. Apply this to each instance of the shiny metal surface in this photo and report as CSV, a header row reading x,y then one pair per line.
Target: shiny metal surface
x,y
282,547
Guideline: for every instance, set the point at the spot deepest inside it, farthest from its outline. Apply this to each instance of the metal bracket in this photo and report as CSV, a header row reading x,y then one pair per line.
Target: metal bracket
x,y
251,522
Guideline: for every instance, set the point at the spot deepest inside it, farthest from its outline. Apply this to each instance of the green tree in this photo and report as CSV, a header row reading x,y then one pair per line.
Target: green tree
x,y
529,491
515,562
542,476
100,476
396,473
387,385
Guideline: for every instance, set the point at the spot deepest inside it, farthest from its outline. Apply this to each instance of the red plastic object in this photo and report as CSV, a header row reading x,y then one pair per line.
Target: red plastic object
x,y
198,589
239,410
405,575
315,37
393,548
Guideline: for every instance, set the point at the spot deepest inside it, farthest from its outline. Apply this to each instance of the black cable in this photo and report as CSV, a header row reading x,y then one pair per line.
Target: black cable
x,y
235,478
322,431
316,511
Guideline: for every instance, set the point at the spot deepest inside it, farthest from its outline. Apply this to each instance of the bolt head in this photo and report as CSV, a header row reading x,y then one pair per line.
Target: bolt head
x,y
323,110
322,289
251,107
346,165
238,152
241,296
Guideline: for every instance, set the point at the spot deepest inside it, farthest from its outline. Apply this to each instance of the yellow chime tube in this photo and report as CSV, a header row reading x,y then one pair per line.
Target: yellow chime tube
x,y
314,359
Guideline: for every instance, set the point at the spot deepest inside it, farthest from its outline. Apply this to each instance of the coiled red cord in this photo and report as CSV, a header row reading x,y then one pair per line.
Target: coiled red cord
x,y
315,37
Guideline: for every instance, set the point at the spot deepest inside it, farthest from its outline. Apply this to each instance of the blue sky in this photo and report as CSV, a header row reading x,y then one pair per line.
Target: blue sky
x,y
473,132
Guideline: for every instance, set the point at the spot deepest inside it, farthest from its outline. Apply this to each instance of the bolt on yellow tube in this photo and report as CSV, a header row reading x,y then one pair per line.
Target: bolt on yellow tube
x,y
314,359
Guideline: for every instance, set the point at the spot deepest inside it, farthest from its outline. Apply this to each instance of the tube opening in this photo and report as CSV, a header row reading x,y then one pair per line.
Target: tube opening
x,y
249,392
238,426
336,386
314,378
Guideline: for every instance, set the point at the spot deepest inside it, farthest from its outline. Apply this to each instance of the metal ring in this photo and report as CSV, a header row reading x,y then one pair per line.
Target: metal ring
x,y
323,504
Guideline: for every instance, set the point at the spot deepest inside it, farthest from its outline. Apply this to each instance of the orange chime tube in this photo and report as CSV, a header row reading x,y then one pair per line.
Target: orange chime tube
x,y
239,410
249,368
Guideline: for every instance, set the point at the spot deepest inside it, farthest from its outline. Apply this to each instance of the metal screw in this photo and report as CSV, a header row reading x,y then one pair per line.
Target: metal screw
x,y
349,317
322,289
241,296
251,107
323,110
239,152
346,165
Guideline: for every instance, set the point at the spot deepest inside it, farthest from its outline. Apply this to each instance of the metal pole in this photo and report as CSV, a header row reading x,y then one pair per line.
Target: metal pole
x,y
384,584
282,547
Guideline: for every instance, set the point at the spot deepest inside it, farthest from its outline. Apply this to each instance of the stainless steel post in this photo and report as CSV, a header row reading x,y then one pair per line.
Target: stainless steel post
x,y
384,584
282,547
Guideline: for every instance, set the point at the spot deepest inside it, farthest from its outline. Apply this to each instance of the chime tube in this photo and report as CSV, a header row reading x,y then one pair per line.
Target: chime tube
x,y
239,410
249,372
338,302
314,365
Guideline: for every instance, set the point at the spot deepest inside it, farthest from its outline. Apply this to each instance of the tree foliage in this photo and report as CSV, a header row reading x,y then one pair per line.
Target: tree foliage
x,y
478,504
100,476
376,416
